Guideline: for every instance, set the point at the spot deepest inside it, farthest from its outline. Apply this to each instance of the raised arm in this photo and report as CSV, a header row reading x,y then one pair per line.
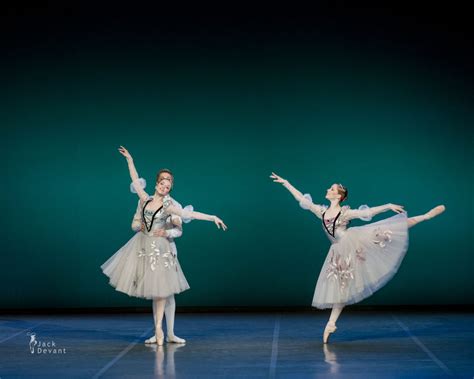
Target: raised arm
x,y
304,200
296,194
133,174
194,215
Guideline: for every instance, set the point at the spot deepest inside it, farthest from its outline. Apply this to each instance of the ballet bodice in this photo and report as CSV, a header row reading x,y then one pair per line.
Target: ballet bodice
x,y
154,219
336,227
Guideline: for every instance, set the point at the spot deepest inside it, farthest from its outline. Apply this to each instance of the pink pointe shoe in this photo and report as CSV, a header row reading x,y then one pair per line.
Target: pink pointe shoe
x,y
158,338
330,328
170,339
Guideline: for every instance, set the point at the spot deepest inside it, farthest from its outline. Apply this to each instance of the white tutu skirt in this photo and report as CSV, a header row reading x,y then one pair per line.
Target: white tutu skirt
x,y
362,261
145,267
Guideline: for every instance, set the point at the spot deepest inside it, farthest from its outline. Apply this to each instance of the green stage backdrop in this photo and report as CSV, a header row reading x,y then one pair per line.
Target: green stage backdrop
x,y
222,120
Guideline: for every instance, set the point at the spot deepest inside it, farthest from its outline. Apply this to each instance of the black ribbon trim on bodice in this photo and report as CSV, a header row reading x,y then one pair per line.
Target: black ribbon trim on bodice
x,y
333,225
152,219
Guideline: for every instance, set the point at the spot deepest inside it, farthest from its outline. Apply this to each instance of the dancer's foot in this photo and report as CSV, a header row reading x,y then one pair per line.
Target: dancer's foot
x,y
170,339
151,340
175,339
160,337
435,212
330,328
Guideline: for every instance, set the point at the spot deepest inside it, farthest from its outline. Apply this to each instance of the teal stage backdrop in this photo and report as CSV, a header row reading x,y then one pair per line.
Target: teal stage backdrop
x,y
391,130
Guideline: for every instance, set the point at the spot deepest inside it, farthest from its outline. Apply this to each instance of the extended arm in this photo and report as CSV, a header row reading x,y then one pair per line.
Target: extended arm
x,y
133,174
365,213
296,194
304,200
194,215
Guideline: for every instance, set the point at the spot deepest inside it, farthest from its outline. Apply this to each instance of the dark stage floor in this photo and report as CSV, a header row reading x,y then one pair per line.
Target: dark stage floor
x,y
367,344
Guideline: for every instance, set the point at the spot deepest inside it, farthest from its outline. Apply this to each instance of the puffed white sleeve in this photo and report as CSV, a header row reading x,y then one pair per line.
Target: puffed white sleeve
x,y
138,183
174,208
173,230
363,212
307,203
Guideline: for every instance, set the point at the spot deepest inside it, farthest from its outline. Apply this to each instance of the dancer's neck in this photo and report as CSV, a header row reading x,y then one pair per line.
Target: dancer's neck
x,y
157,197
335,205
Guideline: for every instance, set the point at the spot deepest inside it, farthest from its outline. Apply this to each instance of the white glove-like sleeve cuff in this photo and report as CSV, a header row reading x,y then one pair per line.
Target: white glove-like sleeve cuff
x,y
187,217
306,202
365,216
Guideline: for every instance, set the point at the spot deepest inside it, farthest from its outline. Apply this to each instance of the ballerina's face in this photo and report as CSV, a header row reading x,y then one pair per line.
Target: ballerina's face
x,y
333,193
163,187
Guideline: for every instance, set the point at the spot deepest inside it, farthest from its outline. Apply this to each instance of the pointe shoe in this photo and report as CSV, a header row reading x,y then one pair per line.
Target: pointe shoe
x,y
160,341
175,339
151,340
435,211
160,338
327,331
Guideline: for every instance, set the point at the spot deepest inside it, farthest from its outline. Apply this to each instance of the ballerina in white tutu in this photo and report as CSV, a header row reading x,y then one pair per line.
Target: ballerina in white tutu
x,y
173,229
147,265
361,259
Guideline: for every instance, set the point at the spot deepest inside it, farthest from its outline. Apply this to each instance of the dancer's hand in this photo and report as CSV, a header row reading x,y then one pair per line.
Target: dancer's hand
x,y
160,233
220,223
396,208
125,152
277,179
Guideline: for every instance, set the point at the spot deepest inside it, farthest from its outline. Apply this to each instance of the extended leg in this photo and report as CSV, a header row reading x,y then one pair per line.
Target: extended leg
x,y
331,325
429,215
170,310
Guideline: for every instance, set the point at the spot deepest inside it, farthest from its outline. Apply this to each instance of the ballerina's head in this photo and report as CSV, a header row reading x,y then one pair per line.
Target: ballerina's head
x,y
337,192
164,182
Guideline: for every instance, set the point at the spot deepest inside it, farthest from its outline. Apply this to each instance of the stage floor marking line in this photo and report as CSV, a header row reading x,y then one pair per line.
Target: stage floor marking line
x,y
274,356
22,331
123,352
423,347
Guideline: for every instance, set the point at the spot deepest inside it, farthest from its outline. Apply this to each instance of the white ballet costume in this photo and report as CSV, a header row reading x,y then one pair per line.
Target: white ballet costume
x,y
361,259
147,266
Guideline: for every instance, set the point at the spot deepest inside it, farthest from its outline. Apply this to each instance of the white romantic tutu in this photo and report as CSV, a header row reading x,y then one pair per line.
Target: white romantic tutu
x,y
362,261
146,267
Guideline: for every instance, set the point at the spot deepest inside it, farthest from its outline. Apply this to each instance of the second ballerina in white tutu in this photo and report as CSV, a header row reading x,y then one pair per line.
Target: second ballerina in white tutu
x,y
361,259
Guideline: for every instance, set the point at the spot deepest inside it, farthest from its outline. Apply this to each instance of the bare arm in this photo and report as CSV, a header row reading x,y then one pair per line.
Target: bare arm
x,y
367,213
133,174
196,216
304,201
296,194
383,208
